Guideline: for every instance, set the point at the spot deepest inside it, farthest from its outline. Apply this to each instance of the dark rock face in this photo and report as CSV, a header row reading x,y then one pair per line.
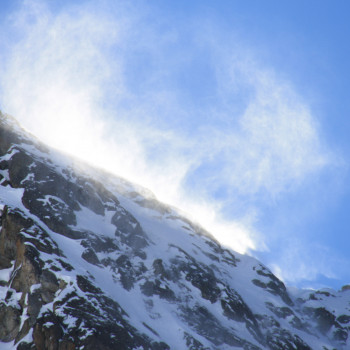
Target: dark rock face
x,y
10,321
88,262
40,286
325,319
274,285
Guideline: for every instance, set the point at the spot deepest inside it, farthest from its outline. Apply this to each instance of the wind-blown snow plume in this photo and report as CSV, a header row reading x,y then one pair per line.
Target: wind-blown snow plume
x,y
109,84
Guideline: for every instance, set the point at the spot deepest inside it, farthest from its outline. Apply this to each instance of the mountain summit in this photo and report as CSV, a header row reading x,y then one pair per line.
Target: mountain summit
x,y
91,261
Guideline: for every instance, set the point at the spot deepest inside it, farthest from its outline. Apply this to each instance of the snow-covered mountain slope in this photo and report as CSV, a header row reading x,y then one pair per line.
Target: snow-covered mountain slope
x,y
90,261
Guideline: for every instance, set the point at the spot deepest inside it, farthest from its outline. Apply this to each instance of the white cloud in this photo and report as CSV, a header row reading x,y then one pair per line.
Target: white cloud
x,y
70,78
304,262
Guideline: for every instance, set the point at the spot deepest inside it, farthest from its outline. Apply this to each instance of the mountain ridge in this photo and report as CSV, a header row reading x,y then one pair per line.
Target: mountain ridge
x,y
91,261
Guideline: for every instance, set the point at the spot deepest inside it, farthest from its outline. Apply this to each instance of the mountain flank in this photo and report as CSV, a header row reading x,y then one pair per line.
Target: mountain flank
x,y
91,261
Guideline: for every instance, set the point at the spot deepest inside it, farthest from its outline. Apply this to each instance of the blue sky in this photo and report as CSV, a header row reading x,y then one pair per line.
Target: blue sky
x,y
234,111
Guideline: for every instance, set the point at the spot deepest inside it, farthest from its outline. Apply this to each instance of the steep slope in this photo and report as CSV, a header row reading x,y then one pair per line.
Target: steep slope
x,y
90,261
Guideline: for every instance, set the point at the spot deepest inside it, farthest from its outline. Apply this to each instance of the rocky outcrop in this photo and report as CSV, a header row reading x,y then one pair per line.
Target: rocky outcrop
x,y
38,300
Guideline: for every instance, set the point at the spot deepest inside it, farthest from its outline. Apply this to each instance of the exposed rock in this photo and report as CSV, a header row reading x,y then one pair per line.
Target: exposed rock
x,y
325,319
12,223
344,319
90,256
9,322
345,288
129,230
